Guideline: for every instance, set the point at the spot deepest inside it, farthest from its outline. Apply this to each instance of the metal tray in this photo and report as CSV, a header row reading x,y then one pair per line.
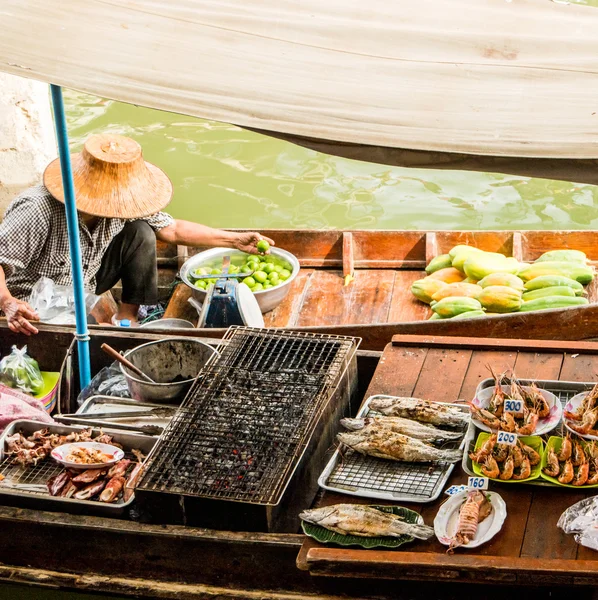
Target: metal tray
x,y
30,483
144,425
563,390
369,477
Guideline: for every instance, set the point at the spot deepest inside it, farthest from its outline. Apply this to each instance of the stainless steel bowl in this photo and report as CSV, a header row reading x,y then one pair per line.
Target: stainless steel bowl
x,y
164,361
168,323
266,299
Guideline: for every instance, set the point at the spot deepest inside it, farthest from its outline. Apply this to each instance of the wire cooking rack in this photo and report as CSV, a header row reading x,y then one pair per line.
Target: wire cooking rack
x,y
243,425
353,473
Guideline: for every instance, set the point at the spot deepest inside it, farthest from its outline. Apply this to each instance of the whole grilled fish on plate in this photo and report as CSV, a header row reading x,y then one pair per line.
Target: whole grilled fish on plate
x,y
413,429
423,411
364,521
384,443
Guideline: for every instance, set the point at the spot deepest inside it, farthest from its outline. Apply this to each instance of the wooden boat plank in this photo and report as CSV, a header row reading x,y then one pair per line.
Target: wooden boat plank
x,y
538,365
404,306
328,301
287,313
441,375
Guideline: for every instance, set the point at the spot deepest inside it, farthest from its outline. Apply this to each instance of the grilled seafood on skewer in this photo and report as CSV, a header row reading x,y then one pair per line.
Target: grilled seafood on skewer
x,y
423,411
413,429
364,521
386,444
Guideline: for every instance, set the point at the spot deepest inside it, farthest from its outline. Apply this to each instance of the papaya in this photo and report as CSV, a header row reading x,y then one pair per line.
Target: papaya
x,y
561,290
424,289
439,262
500,299
448,275
470,314
434,317
580,273
459,254
545,281
564,255
455,305
458,289
470,280
481,265
507,279
552,302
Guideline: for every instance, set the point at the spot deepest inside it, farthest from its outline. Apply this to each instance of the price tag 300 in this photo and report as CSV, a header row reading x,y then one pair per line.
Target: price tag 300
x,y
504,437
477,483
513,406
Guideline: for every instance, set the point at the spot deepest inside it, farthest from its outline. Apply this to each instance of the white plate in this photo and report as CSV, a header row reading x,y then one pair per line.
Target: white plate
x,y
483,397
447,520
572,406
60,453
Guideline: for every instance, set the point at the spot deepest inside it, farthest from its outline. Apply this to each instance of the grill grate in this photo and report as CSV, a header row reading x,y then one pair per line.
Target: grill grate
x,y
245,422
361,475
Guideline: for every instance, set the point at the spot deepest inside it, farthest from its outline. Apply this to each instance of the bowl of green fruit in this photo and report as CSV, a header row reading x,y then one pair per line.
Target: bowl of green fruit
x,y
268,276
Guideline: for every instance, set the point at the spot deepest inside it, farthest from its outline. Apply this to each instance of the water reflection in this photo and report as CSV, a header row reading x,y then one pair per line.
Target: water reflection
x,y
225,176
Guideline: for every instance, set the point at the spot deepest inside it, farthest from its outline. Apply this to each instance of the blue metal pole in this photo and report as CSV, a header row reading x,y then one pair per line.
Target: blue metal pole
x,y
72,222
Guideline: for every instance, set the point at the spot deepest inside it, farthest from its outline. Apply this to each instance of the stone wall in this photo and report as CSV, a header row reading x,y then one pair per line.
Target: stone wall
x,y
27,141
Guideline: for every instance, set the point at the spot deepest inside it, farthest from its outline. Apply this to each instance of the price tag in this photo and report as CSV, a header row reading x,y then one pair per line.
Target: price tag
x,y
455,489
513,406
477,483
506,438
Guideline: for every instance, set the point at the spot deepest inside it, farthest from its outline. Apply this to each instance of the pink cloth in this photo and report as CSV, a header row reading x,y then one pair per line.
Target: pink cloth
x,y
15,405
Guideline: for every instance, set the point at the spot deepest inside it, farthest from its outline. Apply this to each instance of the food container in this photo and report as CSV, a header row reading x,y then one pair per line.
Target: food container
x,y
27,487
266,299
49,392
166,361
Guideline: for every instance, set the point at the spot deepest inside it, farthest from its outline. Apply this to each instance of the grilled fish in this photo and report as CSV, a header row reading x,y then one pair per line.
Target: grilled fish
x,y
413,429
364,521
383,443
420,410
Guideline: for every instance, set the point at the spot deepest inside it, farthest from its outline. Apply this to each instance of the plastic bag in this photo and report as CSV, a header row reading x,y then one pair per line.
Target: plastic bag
x,y
110,381
56,303
581,519
19,370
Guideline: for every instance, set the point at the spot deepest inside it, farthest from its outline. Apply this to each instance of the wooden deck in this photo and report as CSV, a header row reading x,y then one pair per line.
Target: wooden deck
x,y
529,549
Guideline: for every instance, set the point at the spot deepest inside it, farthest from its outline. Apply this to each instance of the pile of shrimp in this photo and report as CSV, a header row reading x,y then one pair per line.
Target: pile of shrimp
x,y
534,407
576,463
504,462
583,420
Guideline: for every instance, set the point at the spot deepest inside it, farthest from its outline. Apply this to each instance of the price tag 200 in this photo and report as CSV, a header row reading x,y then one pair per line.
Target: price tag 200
x,y
505,437
477,483
513,406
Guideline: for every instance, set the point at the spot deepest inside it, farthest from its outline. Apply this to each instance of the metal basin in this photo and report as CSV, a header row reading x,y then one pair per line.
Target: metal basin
x,y
266,299
164,361
168,323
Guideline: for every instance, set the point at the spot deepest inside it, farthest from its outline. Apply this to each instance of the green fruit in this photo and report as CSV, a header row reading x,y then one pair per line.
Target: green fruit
x,y
274,277
455,305
260,276
573,270
500,298
215,272
506,279
564,255
201,284
268,268
249,282
440,262
252,258
562,290
258,287
284,274
263,246
279,268
435,317
267,286
470,314
545,281
552,302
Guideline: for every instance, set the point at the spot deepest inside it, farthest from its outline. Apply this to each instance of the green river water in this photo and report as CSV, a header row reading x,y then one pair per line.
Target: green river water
x,y
225,176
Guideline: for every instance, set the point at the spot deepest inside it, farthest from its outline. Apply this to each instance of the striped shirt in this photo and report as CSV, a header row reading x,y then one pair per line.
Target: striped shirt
x,y
34,242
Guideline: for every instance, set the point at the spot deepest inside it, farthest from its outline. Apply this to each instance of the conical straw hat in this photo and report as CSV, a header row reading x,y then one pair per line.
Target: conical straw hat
x,y
112,180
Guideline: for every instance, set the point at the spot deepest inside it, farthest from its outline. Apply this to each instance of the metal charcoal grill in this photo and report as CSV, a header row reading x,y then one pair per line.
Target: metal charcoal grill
x,y
242,447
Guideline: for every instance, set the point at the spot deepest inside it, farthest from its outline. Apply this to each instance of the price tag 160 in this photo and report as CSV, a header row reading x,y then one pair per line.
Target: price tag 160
x,y
504,437
477,483
513,406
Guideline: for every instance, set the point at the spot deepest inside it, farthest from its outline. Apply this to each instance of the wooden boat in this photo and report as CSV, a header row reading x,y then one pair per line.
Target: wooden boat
x,y
133,559
378,303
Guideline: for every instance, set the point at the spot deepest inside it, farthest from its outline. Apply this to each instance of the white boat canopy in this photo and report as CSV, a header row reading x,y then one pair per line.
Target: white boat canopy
x,y
501,85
